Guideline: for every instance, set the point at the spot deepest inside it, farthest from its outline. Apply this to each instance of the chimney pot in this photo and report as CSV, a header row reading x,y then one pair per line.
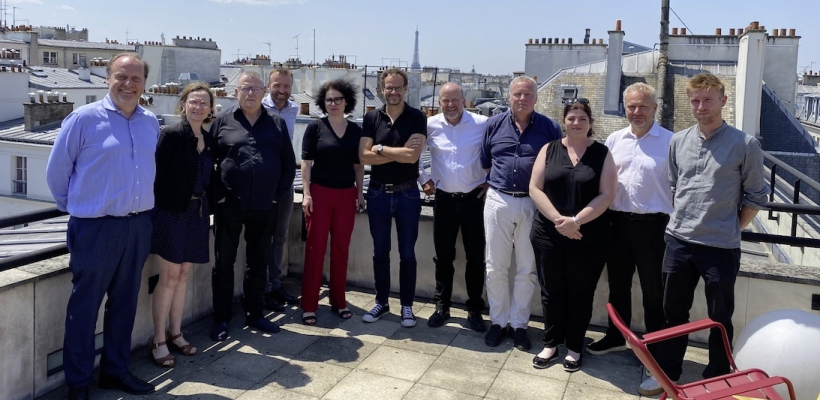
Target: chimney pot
x,y
543,40
536,41
549,40
755,25
740,31
783,32
775,32
731,31
792,32
563,41
682,31
304,108
674,31
717,32
617,25
569,40
530,42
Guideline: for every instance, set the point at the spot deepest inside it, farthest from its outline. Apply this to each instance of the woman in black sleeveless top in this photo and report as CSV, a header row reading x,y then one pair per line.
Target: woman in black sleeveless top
x,y
573,183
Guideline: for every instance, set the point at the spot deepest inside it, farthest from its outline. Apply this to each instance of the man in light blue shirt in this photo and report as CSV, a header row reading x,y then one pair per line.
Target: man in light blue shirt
x,y
101,171
280,84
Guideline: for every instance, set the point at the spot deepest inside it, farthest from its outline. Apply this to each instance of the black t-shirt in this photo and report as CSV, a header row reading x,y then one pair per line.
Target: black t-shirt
x,y
377,125
333,157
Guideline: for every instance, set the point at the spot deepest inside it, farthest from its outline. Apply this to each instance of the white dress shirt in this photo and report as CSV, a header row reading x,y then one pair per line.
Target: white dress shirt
x,y
642,165
454,153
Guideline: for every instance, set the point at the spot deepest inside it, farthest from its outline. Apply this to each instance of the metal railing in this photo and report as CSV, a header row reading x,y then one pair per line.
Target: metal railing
x,y
36,255
794,208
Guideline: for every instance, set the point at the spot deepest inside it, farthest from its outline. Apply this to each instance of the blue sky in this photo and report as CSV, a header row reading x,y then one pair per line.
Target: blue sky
x,y
458,34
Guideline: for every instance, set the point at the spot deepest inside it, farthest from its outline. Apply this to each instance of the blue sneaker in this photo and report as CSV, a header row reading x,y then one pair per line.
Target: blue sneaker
x,y
377,312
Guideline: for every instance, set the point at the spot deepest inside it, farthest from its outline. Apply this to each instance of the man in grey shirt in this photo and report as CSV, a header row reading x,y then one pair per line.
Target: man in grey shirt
x,y
716,175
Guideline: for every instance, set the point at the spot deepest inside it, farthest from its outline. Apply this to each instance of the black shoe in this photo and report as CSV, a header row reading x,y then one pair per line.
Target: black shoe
x,y
541,363
711,371
476,321
607,344
495,335
129,383
262,324
272,304
520,340
437,319
572,366
78,393
284,297
219,331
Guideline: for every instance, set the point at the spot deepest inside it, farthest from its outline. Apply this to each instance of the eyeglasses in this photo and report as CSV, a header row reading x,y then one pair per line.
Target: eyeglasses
x,y
254,89
397,89
334,100
580,100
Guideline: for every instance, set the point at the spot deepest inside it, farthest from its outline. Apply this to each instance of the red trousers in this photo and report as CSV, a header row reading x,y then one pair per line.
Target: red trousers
x,y
334,211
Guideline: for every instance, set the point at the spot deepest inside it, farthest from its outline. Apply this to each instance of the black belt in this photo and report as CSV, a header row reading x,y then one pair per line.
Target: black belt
x,y
459,195
514,194
391,187
641,217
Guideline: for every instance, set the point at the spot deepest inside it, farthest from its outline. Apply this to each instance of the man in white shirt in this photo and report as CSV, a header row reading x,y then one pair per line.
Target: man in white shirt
x,y
454,138
640,212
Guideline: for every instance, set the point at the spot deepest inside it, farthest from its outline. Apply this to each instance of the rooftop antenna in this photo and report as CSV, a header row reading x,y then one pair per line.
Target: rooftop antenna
x,y
14,15
297,45
268,43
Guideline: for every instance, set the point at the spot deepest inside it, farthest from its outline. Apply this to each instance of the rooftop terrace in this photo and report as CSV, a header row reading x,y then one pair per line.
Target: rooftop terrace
x,y
338,359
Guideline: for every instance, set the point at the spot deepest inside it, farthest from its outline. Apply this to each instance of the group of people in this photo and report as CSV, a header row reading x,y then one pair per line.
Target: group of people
x,y
564,205
670,206
133,189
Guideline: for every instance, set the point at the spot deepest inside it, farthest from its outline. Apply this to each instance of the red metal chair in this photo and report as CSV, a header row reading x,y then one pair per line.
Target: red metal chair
x,y
752,383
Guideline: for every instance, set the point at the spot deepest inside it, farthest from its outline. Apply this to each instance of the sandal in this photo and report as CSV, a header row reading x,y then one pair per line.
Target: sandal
x,y
188,349
166,361
309,318
343,313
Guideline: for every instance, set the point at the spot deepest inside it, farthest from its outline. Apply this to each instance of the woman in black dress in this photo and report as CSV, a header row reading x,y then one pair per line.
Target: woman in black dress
x,y
332,179
184,160
573,183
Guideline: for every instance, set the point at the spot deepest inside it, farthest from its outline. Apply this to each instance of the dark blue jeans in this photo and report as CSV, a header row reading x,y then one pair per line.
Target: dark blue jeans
x,y
382,208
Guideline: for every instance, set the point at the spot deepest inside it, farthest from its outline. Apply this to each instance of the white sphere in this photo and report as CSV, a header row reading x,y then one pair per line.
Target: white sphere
x,y
784,343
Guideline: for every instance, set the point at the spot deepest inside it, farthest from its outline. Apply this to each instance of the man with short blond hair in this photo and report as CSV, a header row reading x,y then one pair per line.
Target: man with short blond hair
x,y
716,175
101,171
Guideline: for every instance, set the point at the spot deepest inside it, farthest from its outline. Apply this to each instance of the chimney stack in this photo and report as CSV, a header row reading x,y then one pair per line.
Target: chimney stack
x,y
749,78
614,69
42,113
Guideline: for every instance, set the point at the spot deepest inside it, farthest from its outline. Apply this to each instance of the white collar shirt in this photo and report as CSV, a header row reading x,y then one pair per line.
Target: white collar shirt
x,y
642,165
455,166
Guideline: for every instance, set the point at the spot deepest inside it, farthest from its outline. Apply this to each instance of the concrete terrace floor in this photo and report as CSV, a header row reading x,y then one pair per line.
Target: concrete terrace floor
x,y
349,359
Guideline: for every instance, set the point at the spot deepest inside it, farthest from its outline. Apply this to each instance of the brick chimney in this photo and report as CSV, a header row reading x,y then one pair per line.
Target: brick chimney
x,y
49,110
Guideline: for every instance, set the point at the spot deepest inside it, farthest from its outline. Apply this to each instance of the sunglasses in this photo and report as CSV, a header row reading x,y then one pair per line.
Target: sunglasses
x,y
580,100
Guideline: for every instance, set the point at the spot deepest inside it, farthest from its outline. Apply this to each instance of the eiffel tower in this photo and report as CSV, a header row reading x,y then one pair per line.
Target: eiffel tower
x,y
416,66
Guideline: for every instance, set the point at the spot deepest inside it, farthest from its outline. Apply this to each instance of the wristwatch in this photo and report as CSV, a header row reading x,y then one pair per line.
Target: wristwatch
x,y
379,149
577,221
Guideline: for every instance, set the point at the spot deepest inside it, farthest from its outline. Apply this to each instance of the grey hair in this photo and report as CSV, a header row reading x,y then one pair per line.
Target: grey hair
x,y
642,88
524,78
251,74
